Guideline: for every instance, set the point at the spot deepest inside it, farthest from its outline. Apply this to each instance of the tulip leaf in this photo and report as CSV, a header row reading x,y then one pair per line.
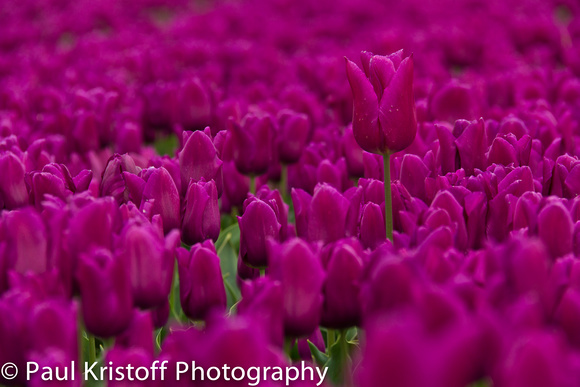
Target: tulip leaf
x,y
227,247
339,363
319,357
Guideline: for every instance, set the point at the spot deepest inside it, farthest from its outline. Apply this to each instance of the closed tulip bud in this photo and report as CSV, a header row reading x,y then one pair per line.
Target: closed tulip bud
x,y
372,226
555,229
160,196
321,217
201,286
113,181
201,219
93,225
150,261
13,192
258,223
292,136
86,131
199,160
194,105
139,334
344,264
106,298
472,147
300,271
129,138
54,326
263,300
384,116
252,144
25,237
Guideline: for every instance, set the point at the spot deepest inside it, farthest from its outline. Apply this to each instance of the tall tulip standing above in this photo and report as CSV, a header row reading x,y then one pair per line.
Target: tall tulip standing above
x,y
384,117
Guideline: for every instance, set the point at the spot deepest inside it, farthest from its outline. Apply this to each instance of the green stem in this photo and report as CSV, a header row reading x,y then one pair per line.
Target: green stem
x,y
174,294
92,349
345,356
330,339
288,344
252,184
388,199
284,183
262,272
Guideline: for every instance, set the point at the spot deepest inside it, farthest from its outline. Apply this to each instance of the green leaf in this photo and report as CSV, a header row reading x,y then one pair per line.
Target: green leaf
x,y
319,357
227,247
339,364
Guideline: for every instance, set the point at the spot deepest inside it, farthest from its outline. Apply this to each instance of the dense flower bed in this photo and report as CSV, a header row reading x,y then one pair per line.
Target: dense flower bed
x,y
180,181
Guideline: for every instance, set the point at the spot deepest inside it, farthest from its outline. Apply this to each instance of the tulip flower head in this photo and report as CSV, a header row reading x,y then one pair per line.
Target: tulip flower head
x,y
384,116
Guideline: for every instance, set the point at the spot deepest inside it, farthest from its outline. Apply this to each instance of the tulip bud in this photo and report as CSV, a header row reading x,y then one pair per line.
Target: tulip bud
x,y
150,260
321,217
25,236
13,191
252,144
113,181
201,219
258,223
201,286
555,229
199,160
384,116
160,196
292,136
344,265
263,300
300,271
105,285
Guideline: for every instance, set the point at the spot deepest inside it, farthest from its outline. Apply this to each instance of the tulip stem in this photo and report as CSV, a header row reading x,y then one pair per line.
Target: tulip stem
x,y
92,349
330,339
262,272
252,184
388,198
284,182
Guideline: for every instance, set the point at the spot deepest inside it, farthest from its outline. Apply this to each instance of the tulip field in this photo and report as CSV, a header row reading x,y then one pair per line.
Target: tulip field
x,y
371,193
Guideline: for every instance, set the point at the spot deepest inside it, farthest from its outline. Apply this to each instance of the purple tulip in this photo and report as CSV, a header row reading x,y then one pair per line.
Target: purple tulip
x,y
343,261
113,178
252,144
139,334
321,217
25,238
199,160
194,105
201,285
13,191
106,298
384,117
472,147
53,326
258,223
150,259
263,300
372,226
300,271
555,229
201,219
160,196
292,136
